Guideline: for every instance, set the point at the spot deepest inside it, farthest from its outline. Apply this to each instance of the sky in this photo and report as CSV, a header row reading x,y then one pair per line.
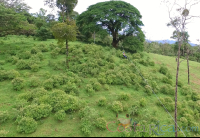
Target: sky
x,y
154,17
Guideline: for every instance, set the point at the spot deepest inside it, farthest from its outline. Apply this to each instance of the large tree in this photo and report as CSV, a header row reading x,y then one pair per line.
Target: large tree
x,y
118,18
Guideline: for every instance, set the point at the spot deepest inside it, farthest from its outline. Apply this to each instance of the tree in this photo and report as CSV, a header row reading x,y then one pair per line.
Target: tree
x,y
179,22
65,32
119,18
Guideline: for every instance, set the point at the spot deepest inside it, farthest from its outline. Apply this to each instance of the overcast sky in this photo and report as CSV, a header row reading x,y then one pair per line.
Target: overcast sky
x,y
154,17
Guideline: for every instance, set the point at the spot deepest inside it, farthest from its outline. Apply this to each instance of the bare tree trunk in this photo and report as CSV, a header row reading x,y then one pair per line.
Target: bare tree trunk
x,y
188,67
67,53
177,73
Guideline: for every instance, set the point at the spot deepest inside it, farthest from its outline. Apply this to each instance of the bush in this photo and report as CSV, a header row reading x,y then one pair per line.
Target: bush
x,y
143,102
180,84
163,70
167,89
143,62
106,86
25,55
48,84
124,96
60,115
35,50
13,74
148,89
169,75
43,34
35,68
102,101
97,86
100,123
86,126
166,80
2,62
22,64
52,46
151,63
4,116
89,89
117,106
34,82
186,90
15,59
27,125
18,83
40,56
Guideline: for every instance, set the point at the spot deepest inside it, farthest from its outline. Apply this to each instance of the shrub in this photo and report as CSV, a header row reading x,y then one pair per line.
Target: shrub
x,y
124,96
71,87
167,89
97,86
48,84
186,90
13,74
34,82
52,46
117,106
26,55
100,123
166,80
136,56
86,126
60,115
89,89
180,84
34,50
2,62
18,83
110,59
88,112
143,102
35,68
9,58
4,116
40,56
22,64
163,70
106,86
148,89
15,59
27,125
102,101
143,62
169,75
151,63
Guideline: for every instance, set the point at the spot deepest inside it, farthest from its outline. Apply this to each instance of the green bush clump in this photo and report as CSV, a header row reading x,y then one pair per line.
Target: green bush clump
x,y
102,101
4,116
148,90
154,86
2,62
18,83
13,74
35,68
195,96
100,123
37,111
71,87
88,112
40,56
96,86
136,56
143,62
34,82
180,84
90,89
34,50
60,115
167,80
111,59
25,55
169,75
57,80
167,89
52,46
143,102
151,63
163,70
186,90
43,48
86,126
117,106
15,60
22,64
106,86
63,50
124,96
27,125
48,84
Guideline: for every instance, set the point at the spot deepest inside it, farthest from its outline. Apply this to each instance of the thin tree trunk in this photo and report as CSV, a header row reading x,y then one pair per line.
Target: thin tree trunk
x,y
67,53
177,73
188,68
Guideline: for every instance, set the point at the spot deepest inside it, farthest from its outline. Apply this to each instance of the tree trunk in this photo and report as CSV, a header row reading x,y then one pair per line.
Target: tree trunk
x,y
115,41
188,68
67,53
177,73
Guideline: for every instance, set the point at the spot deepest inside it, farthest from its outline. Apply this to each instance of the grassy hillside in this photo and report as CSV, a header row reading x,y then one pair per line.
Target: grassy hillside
x,y
100,83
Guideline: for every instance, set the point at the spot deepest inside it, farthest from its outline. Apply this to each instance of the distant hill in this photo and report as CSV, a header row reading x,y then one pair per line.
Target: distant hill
x,y
168,41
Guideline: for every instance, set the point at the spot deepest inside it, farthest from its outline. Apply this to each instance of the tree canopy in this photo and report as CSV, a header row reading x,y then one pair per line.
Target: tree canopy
x,y
118,18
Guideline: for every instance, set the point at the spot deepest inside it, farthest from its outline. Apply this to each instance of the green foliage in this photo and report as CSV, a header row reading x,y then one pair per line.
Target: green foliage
x,y
124,96
100,123
102,101
4,116
48,84
35,50
117,106
86,126
143,102
180,84
186,90
2,62
27,125
22,64
163,70
148,90
60,115
15,59
43,34
18,83
35,68
13,74
89,89
34,82
151,63
37,111
167,89
106,86
166,80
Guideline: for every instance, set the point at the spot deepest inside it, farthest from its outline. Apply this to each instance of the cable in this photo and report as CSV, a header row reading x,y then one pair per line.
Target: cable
x,y
154,93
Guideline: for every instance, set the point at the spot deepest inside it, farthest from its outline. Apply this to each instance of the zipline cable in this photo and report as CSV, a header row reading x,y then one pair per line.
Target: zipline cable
x,y
154,92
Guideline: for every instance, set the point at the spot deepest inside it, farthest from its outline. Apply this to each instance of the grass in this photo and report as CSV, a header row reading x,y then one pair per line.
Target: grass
x,y
71,126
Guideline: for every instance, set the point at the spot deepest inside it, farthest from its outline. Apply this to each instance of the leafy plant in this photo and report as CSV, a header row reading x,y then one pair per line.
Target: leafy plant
x,y
27,125
100,123
117,106
102,101
124,96
60,115
163,70
18,83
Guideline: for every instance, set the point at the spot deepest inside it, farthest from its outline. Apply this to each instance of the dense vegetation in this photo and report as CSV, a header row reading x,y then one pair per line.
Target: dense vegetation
x,y
41,97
